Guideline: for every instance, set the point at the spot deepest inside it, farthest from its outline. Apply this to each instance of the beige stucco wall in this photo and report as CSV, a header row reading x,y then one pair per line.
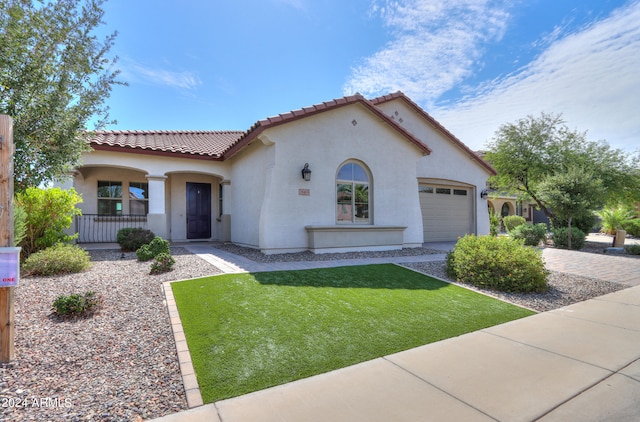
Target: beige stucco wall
x,y
133,167
447,160
272,169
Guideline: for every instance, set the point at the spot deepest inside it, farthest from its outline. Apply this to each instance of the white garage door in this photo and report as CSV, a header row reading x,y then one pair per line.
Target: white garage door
x,y
446,212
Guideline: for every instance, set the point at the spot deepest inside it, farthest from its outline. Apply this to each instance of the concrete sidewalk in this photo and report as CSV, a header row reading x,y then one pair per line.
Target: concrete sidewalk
x,y
578,363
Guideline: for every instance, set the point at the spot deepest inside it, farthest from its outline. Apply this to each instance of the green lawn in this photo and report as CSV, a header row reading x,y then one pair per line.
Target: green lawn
x,y
247,332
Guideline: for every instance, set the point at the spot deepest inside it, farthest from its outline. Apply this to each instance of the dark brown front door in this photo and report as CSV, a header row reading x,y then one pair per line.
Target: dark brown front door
x,y
198,211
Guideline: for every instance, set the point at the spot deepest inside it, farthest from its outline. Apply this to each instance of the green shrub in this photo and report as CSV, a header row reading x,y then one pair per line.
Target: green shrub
x,y
632,249
494,222
58,259
512,221
632,227
49,212
77,305
530,234
614,218
157,246
561,241
498,263
132,238
163,263
19,224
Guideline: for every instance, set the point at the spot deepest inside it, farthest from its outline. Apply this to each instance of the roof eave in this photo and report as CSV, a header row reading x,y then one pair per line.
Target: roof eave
x,y
147,151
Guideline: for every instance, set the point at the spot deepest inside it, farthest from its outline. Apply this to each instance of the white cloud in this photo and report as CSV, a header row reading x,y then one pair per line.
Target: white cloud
x,y
296,4
591,76
181,80
435,46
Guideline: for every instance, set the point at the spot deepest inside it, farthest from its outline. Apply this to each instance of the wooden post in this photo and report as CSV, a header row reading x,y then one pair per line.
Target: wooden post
x,y
7,334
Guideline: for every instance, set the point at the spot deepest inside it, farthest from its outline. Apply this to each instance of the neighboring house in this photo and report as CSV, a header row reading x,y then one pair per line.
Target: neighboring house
x,y
384,175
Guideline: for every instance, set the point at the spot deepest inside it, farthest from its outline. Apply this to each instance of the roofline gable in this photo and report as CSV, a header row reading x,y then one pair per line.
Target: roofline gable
x,y
270,122
400,95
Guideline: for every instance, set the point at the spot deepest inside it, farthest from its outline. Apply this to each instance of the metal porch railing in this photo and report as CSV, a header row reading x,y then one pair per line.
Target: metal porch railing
x,y
95,228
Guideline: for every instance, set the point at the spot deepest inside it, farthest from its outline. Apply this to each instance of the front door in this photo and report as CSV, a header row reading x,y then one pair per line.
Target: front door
x,y
198,211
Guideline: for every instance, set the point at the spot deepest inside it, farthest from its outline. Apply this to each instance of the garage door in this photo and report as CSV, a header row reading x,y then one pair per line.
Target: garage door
x,y
446,212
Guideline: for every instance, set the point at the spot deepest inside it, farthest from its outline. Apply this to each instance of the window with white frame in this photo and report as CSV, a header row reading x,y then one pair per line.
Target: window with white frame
x,y
353,200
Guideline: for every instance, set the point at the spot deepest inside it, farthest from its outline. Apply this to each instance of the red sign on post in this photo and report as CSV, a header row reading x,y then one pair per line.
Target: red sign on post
x,y
9,267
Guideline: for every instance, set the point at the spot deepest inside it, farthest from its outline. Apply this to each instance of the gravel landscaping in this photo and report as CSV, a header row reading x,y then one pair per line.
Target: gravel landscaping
x,y
564,289
121,364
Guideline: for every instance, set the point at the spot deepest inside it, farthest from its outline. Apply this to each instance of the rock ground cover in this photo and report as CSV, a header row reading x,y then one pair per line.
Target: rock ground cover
x,y
121,364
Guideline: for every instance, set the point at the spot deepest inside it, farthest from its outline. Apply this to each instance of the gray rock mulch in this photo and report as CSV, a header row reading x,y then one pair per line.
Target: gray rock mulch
x,y
118,365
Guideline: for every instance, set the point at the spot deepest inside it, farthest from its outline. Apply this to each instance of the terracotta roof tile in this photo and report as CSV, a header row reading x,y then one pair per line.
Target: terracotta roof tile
x,y
199,143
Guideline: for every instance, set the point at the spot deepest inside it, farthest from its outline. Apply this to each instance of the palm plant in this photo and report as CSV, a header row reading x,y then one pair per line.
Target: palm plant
x,y
613,218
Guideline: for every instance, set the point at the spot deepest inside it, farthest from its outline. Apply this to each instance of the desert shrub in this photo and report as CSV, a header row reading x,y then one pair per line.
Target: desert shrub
x,y
632,249
632,227
163,263
76,304
613,219
498,263
494,222
512,221
149,251
530,234
49,212
132,238
561,241
19,223
58,259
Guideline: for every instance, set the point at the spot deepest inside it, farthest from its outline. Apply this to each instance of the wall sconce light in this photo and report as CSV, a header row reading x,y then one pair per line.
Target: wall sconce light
x,y
484,194
306,173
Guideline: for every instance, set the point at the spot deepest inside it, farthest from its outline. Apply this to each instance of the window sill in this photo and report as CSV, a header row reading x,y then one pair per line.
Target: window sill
x,y
354,237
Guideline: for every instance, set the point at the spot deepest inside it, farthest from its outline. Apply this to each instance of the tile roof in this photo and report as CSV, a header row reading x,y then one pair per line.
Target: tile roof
x,y
201,144
436,124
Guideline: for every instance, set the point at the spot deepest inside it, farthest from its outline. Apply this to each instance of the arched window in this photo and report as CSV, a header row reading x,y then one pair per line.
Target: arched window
x,y
353,199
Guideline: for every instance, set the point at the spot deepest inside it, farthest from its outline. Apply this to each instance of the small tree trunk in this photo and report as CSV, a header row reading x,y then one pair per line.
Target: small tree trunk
x,y
569,235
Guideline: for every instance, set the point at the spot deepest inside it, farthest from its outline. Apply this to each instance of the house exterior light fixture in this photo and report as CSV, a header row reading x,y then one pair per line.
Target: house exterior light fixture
x,y
484,194
306,173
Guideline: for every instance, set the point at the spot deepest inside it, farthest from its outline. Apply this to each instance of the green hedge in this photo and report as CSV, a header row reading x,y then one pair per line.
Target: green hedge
x,y
561,241
498,263
512,221
132,238
58,259
530,234
632,227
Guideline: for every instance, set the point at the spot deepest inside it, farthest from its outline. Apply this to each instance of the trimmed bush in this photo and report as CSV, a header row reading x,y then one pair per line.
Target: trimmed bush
x,y
494,222
530,234
512,221
498,263
49,212
77,305
632,249
58,259
561,241
163,263
157,246
632,227
132,238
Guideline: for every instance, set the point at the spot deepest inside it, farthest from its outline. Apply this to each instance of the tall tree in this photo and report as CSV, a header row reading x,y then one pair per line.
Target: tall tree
x,y
526,153
54,78
570,193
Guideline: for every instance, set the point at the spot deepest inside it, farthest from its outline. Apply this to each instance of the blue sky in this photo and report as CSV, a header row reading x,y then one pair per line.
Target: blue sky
x,y
472,64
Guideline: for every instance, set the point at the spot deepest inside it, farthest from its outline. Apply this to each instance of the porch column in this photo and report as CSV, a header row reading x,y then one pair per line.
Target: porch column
x,y
157,217
225,217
